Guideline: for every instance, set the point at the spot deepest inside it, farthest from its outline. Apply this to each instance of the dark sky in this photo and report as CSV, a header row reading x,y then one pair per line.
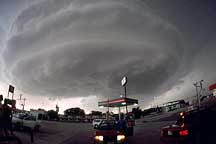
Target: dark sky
x,y
82,48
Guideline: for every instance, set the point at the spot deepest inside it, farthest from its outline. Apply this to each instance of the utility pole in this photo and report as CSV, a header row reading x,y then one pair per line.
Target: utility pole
x,y
23,104
198,93
108,108
20,97
124,83
125,90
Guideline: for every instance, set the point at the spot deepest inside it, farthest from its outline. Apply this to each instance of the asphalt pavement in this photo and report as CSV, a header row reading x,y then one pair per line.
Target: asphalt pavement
x,y
82,133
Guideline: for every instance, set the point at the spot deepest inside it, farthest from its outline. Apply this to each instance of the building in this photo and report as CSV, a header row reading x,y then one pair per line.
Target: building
x,y
173,105
90,117
39,113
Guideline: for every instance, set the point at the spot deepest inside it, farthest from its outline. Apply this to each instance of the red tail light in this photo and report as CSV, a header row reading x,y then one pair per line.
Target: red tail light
x,y
183,133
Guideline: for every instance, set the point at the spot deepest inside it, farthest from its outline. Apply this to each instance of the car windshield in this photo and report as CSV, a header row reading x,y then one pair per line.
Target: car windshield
x,y
20,116
29,117
107,125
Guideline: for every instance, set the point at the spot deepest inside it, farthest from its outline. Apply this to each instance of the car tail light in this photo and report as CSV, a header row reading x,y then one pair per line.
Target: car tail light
x,y
183,133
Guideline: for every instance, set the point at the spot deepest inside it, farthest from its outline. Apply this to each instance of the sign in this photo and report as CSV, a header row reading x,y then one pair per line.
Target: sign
x,y
124,81
11,89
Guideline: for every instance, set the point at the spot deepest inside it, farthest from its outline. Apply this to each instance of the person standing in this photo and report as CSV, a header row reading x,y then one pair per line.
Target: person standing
x,y
7,117
122,124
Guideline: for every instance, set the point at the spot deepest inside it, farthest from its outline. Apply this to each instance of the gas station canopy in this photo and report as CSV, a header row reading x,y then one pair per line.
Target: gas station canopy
x,y
213,89
120,102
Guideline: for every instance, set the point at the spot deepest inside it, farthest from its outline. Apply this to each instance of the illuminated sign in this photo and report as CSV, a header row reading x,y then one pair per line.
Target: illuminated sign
x,y
124,81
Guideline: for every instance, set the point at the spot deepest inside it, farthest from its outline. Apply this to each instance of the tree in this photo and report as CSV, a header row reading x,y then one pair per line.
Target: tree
x,y
74,112
137,112
98,113
53,115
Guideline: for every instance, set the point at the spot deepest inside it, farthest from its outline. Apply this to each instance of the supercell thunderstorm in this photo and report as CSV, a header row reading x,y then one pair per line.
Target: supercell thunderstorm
x,y
77,48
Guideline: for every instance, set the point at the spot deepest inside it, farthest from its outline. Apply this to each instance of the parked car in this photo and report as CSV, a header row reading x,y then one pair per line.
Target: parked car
x,y
24,121
96,122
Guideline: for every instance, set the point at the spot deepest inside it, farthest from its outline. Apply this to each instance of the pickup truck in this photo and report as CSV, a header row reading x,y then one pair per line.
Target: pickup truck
x,y
23,121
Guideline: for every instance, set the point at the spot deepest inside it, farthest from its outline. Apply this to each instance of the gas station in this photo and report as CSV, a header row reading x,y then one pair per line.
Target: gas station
x,y
119,102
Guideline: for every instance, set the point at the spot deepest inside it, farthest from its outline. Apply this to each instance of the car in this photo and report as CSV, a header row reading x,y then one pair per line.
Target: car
x,y
96,122
24,121
191,126
108,133
179,132
174,134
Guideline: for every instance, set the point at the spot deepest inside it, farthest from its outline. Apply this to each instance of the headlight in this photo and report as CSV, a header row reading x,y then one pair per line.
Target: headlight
x,y
181,114
120,137
100,138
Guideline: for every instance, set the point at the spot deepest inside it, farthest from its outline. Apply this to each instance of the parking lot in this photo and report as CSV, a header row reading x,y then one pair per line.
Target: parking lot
x,y
80,133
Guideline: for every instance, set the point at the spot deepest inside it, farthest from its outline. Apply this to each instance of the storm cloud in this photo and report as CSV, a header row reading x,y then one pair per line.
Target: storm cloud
x,y
78,48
